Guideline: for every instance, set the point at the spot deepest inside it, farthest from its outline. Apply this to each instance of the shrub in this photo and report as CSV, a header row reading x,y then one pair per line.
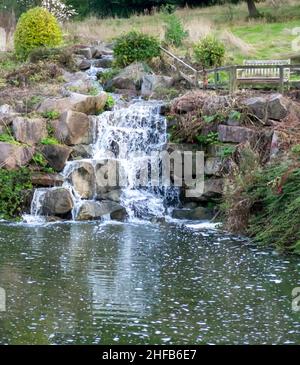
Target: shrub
x,y
36,28
209,52
174,30
135,46
12,186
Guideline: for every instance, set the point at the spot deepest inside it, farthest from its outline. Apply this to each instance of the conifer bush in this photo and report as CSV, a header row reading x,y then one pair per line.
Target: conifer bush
x,y
36,28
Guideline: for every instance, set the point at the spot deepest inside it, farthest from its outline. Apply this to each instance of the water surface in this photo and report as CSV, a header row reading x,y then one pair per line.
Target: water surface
x,y
142,283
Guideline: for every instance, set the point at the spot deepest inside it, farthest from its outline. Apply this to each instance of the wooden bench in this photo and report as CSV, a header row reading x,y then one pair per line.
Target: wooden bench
x,y
258,72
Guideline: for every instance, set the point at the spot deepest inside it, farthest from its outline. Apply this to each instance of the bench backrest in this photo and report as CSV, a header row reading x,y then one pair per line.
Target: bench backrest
x,y
265,72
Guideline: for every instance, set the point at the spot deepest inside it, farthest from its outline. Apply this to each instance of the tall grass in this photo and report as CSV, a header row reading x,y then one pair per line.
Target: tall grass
x,y
263,38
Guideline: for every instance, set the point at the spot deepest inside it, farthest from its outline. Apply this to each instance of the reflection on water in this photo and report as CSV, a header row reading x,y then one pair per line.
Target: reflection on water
x,y
114,283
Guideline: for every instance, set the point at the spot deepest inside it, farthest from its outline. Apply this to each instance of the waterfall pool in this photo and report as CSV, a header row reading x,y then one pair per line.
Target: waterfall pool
x,y
143,283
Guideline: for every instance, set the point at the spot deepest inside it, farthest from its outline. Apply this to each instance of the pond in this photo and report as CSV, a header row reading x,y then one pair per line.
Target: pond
x,y
143,283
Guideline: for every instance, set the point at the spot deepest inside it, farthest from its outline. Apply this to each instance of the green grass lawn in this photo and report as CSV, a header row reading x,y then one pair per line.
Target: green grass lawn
x,y
269,40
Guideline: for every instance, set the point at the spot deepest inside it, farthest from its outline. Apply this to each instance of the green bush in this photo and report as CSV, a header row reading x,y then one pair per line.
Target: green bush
x,y
209,52
135,46
36,28
12,187
174,30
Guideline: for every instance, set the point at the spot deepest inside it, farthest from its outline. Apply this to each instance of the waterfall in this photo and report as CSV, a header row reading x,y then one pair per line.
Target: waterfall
x,y
126,136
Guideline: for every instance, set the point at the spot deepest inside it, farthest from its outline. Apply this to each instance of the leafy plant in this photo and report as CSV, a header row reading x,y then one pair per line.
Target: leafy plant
x,y
51,114
49,141
174,30
209,52
39,159
94,91
135,46
227,151
105,76
210,138
12,186
235,115
36,28
110,102
8,138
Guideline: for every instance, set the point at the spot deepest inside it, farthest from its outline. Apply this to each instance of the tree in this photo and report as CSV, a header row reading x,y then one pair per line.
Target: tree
x,y
252,9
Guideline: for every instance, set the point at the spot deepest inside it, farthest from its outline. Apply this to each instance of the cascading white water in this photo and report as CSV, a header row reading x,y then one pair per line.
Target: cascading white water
x,y
137,130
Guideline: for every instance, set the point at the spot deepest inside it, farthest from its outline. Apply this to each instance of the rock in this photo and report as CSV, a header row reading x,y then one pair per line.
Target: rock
x,y
100,51
106,173
57,201
82,178
29,131
82,151
150,83
85,65
80,86
130,78
213,166
73,128
257,106
199,213
278,144
278,107
235,134
104,62
114,195
208,102
71,77
94,210
213,189
46,180
77,102
56,155
85,52
275,107
13,156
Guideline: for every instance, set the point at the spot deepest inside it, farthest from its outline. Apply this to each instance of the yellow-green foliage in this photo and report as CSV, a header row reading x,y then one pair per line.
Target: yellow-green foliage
x,y
36,28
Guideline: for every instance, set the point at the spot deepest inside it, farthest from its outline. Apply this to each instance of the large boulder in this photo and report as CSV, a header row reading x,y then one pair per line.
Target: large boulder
x,y
85,65
257,106
90,210
151,83
275,107
57,201
77,102
13,156
29,131
130,78
86,52
278,107
82,178
235,134
56,155
73,128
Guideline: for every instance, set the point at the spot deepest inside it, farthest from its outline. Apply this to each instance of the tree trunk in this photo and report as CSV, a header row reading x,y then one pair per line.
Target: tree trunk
x,y
253,12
